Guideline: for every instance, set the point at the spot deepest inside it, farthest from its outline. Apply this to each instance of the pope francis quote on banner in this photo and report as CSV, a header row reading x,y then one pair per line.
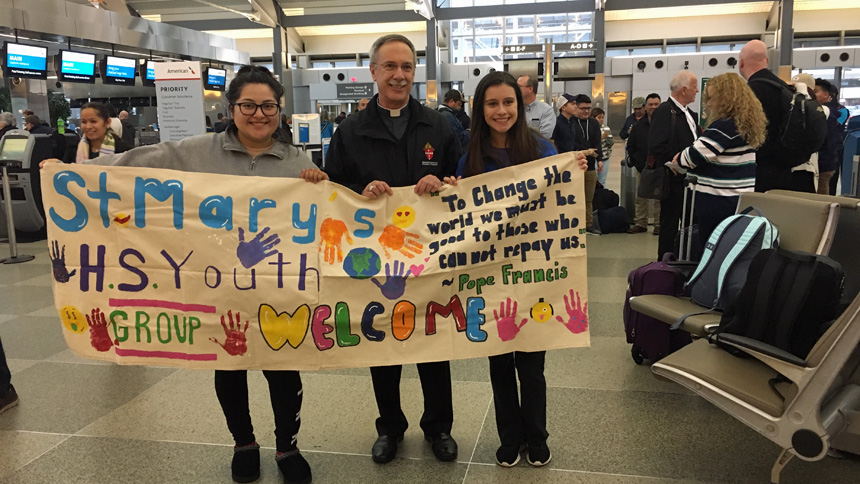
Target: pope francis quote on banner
x,y
169,268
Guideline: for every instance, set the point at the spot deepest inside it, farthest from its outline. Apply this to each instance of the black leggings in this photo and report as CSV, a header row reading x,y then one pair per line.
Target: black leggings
x,y
285,389
519,417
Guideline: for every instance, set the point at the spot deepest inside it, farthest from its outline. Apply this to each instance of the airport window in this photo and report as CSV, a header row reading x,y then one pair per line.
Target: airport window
x,y
617,52
815,43
852,40
321,65
344,63
680,49
647,51
718,47
482,39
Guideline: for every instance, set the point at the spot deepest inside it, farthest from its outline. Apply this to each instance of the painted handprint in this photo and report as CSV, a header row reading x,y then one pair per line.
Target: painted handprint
x,y
99,337
507,324
395,283
394,237
58,263
331,233
236,344
578,315
257,249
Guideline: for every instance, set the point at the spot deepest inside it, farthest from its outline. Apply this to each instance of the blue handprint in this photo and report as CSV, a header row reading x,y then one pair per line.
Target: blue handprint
x,y
395,283
250,253
58,263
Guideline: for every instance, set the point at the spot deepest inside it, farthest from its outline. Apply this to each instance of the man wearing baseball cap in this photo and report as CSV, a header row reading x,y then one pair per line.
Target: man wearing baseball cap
x,y
638,106
563,135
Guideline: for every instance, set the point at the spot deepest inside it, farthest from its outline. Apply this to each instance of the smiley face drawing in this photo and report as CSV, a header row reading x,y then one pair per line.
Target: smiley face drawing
x,y
541,312
73,319
121,219
403,217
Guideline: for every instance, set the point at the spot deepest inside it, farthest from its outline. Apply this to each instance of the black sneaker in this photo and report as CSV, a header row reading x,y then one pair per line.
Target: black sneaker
x,y
246,463
507,456
294,467
539,455
9,400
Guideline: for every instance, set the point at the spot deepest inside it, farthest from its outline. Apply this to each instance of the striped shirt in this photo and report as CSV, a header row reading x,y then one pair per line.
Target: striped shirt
x,y
723,162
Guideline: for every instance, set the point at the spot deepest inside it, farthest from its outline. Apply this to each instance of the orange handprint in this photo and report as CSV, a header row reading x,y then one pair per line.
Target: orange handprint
x,y
394,238
331,232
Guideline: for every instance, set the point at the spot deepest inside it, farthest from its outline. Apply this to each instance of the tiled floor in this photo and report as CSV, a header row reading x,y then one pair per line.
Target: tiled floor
x,y
610,421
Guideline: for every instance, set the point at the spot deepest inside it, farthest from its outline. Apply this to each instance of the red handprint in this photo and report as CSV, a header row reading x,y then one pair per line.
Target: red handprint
x,y
235,344
331,233
507,324
578,321
394,237
99,337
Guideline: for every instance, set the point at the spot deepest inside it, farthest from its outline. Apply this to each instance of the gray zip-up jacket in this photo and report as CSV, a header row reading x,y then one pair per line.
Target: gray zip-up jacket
x,y
213,153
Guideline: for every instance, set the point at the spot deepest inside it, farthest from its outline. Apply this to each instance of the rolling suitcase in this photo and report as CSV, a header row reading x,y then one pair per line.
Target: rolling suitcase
x,y
688,245
652,339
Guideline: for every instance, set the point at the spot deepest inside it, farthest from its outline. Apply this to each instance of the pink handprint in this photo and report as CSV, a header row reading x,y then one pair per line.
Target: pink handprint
x,y
507,324
99,337
236,344
578,321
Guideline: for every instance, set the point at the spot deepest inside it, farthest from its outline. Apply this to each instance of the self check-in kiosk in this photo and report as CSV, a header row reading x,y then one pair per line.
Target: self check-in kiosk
x,y
24,177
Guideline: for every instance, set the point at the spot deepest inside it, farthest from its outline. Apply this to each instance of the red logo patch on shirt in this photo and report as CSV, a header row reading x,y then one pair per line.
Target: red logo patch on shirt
x,y
428,151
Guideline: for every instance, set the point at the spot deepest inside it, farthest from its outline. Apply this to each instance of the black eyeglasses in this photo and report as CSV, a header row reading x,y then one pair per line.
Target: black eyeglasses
x,y
250,109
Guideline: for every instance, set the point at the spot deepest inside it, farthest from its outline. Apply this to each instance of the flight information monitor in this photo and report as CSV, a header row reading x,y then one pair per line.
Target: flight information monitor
x,y
119,70
26,61
215,79
77,67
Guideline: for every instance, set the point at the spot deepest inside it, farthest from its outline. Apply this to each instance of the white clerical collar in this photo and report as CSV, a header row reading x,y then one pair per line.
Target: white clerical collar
x,y
394,113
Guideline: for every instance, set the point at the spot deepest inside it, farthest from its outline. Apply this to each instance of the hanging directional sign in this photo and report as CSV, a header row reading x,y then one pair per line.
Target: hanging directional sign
x,y
574,46
523,48
529,48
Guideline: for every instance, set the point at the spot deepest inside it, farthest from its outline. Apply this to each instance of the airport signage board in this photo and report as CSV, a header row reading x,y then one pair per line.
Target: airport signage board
x,y
179,92
77,66
534,48
119,70
26,61
355,90
216,79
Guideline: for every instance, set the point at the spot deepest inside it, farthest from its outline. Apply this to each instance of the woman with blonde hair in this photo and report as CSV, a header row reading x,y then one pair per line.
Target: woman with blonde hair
x,y
723,158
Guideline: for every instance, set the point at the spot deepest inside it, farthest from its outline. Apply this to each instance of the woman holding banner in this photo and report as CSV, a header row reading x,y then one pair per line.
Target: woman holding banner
x,y
501,138
252,145
98,139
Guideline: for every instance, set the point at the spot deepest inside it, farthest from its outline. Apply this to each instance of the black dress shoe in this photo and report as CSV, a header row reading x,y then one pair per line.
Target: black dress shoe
x,y
385,448
444,446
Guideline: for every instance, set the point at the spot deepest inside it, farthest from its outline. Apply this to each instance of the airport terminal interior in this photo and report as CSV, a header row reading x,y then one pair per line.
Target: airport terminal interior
x,y
610,420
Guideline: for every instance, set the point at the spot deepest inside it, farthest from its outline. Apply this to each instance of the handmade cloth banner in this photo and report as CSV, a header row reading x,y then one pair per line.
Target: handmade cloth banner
x,y
171,268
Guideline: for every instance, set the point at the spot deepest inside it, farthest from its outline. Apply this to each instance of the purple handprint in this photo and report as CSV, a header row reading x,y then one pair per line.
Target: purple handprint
x,y
578,321
507,324
395,283
58,263
250,253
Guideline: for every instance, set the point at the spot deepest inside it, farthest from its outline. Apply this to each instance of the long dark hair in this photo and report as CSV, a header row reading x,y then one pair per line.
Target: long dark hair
x,y
254,74
520,139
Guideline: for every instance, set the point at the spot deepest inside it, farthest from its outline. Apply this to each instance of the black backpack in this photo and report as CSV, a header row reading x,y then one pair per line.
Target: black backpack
x,y
788,300
804,125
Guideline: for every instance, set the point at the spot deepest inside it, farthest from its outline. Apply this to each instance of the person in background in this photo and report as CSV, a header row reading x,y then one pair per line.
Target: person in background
x,y
8,395
564,136
221,124
805,175
451,105
362,103
638,106
397,142
588,140
501,138
98,137
340,117
830,155
287,127
326,126
539,115
35,126
637,151
127,128
7,123
723,157
209,128
464,118
605,144
673,127
251,146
